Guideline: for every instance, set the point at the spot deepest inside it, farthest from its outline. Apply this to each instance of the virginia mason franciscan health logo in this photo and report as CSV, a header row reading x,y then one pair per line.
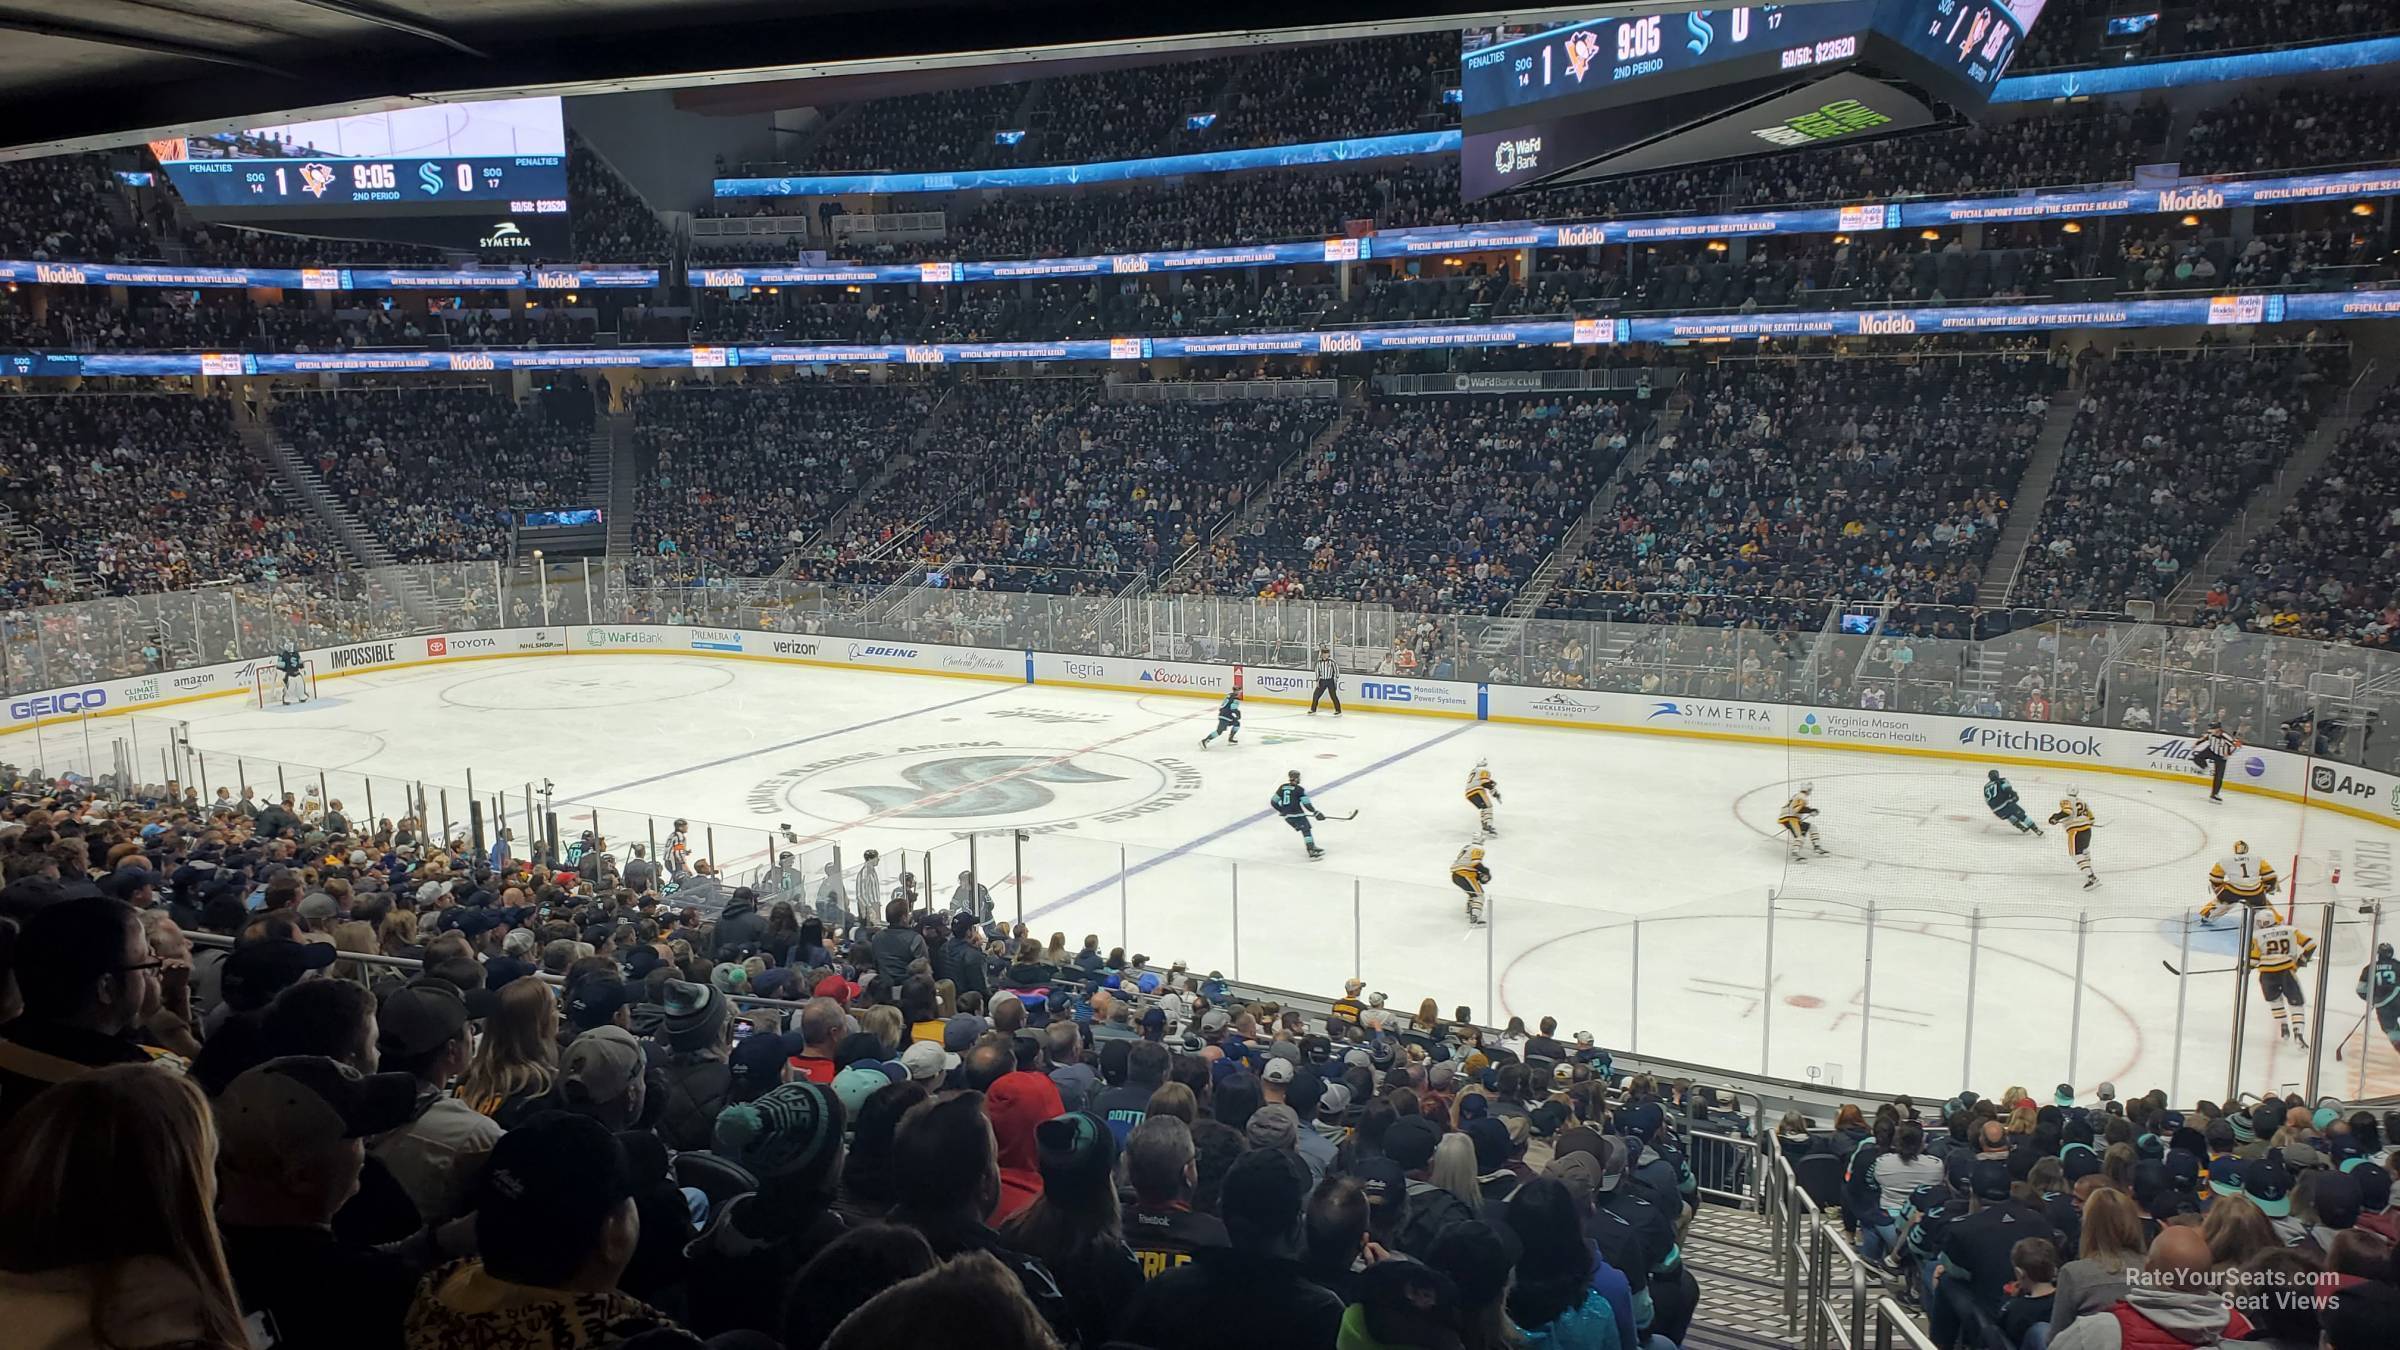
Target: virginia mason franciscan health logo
x,y
954,785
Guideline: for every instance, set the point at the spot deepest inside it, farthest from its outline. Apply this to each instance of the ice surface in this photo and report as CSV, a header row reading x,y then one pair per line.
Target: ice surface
x,y
1631,879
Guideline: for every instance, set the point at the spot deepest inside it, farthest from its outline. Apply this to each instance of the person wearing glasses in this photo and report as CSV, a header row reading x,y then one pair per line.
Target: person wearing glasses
x,y
88,979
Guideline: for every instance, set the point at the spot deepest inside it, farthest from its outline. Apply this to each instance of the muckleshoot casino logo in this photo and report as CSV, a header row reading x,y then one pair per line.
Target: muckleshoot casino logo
x,y
969,784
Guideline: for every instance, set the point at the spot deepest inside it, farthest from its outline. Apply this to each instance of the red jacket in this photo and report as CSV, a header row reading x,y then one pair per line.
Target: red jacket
x,y
1017,1104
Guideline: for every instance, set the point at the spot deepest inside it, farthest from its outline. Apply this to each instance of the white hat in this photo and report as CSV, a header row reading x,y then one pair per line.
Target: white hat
x,y
1277,1071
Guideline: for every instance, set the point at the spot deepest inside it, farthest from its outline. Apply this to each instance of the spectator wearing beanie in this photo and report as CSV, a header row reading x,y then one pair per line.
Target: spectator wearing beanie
x,y
790,1139
1251,1292
556,1227
1073,1226
698,1078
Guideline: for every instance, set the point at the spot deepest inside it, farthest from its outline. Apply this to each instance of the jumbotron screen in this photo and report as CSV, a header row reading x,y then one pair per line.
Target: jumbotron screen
x,y
499,156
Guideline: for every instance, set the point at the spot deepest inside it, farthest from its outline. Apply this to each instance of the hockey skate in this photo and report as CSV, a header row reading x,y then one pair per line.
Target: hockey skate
x,y
2300,1037
1474,918
2091,880
1315,853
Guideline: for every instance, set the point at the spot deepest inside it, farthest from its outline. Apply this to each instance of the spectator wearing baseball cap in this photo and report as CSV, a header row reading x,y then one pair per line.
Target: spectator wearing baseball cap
x,y
435,1155
790,1139
1251,1291
602,1075
556,1227
1410,1142
288,1157
86,975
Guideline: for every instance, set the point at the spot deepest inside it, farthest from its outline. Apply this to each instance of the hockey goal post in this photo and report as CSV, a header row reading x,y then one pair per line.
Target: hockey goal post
x,y
267,683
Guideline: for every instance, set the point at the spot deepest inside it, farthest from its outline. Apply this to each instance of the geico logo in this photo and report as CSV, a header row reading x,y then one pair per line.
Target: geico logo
x,y
1389,693
66,701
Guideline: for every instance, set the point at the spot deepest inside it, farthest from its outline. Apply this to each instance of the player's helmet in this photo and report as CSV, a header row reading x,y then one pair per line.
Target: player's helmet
x,y
2384,950
2241,846
1292,776
1994,775
1807,788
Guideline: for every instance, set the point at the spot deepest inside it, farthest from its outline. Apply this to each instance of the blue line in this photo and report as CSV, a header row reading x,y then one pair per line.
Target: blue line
x,y
782,745
1245,822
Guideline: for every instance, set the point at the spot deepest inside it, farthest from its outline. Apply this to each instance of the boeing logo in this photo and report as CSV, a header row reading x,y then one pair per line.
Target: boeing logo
x,y
2190,199
858,649
1886,323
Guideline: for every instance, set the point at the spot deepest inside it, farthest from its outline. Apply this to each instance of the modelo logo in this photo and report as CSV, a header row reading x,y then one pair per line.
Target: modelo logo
x,y
1084,670
60,276
786,647
1388,693
2039,742
1886,323
472,361
2190,199
858,649
1570,236
1340,342
66,701
372,654
2324,778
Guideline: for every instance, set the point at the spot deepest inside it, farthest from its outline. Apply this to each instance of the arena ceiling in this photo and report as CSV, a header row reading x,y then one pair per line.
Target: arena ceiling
x,y
92,74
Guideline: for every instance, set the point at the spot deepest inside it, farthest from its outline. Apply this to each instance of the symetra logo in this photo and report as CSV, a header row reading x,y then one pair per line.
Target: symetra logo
x,y
862,650
788,647
506,235
2333,782
1731,713
371,654
716,640
1388,693
51,705
1871,324
2190,199
2036,742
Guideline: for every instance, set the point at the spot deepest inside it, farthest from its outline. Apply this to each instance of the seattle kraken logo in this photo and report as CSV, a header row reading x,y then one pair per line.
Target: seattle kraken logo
x,y
1703,33
972,785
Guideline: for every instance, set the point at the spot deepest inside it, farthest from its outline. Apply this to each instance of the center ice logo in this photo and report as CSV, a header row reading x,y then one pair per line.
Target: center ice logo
x,y
1036,788
972,785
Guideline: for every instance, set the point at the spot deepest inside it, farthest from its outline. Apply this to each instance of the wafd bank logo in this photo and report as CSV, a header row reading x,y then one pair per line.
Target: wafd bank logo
x,y
936,786
1979,737
617,637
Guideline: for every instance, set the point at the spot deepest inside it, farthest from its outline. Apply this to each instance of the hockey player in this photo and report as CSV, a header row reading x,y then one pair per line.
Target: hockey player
x,y
1469,874
1229,720
1291,802
2215,752
2239,879
2001,796
287,660
2278,950
1483,794
2379,985
2077,818
1796,827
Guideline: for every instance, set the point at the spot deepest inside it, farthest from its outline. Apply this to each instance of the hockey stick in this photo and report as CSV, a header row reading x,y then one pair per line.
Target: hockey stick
x,y
1352,816
2344,1043
2171,970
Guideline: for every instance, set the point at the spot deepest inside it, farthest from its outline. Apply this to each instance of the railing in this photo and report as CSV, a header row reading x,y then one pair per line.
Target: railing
x,y
1827,1288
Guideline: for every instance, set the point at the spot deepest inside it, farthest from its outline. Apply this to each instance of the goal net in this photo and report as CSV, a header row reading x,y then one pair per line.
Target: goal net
x,y
267,684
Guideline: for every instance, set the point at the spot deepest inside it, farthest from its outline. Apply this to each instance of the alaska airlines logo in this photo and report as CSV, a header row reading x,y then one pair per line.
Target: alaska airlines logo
x,y
315,179
1582,49
2190,199
1886,323
1703,33
972,785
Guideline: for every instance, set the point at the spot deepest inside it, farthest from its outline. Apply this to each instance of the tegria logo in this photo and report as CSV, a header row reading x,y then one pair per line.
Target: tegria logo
x,y
369,654
1084,670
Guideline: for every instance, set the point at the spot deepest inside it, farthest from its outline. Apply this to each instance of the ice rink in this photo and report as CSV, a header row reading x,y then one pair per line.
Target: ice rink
x,y
1639,890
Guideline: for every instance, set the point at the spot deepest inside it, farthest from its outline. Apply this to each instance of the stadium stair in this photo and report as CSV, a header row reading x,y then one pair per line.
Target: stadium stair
x,y
1252,516
612,464
1530,598
2025,507
29,541
1730,1251
2267,505
304,486
892,464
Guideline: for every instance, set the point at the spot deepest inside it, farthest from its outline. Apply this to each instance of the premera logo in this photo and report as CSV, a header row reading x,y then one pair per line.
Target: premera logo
x,y
2332,782
367,654
65,701
716,640
794,647
1982,737
869,651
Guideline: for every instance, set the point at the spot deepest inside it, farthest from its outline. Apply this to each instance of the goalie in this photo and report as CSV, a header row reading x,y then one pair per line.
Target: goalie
x,y
2239,879
287,660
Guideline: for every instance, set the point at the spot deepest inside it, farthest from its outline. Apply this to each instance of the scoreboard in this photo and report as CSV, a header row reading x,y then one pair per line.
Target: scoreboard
x,y
1612,61
528,184
497,156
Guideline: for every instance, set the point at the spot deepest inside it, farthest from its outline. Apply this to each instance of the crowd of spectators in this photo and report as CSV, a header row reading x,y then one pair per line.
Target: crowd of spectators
x,y
2299,127
1426,504
1123,114
2326,569
2069,32
1781,485
2166,447
740,476
55,209
2017,1223
1371,87
937,129
435,471
607,220
150,492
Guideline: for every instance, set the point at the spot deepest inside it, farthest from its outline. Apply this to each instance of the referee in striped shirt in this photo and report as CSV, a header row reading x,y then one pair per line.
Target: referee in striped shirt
x,y
1327,685
2215,752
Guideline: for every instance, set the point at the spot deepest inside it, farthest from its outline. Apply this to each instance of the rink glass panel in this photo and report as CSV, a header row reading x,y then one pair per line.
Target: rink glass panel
x,y
1926,966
